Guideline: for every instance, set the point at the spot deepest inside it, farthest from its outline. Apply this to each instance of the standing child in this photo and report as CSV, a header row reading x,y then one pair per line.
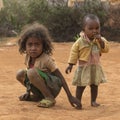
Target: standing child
x,y
87,51
42,77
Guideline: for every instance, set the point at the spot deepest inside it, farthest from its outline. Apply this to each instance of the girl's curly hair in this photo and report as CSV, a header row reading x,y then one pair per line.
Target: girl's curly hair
x,y
40,32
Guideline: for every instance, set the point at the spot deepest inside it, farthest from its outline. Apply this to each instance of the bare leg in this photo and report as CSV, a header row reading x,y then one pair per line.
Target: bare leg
x,y
20,76
39,83
94,93
79,92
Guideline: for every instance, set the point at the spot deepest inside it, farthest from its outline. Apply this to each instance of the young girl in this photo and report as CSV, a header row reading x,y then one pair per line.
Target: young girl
x,y
87,51
42,77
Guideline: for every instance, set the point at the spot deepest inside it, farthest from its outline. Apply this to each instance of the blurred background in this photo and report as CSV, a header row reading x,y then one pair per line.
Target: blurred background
x,y
63,18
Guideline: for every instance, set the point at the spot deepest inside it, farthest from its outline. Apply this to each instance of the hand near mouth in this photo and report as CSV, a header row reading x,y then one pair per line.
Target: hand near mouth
x,y
98,37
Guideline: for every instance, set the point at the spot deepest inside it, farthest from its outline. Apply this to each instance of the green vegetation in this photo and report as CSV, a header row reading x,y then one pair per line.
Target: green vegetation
x,y
63,22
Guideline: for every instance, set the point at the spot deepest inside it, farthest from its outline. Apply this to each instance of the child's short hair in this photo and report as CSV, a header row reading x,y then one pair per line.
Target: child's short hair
x,y
40,32
90,16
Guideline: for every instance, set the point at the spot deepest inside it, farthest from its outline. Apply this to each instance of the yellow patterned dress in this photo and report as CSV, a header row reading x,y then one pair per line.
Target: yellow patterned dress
x,y
87,53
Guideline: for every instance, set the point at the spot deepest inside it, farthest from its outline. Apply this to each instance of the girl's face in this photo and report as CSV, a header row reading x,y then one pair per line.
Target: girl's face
x,y
34,47
92,28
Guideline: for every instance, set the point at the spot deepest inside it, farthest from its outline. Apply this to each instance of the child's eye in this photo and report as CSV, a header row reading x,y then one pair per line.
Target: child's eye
x,y
90,28
30,44
37,44
97,28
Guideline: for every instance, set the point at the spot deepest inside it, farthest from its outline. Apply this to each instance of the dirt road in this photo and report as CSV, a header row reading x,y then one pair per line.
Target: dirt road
x,y
13,109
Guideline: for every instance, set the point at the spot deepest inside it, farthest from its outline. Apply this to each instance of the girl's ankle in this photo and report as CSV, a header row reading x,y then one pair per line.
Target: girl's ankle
x,y
95,104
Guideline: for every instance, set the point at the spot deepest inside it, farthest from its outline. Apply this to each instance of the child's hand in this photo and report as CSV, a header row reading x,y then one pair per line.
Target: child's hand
x,y
75,102
98,37
69,68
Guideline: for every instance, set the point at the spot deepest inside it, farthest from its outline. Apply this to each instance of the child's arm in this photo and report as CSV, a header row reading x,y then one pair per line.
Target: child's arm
x,y
69,68
74,53
73,101
101,42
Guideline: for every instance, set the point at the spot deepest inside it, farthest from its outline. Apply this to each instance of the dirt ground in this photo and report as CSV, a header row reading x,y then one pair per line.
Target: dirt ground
x,y
13,109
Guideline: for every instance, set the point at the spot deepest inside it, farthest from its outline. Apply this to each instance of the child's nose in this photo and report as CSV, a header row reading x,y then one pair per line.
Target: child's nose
x,y
33,47
94,31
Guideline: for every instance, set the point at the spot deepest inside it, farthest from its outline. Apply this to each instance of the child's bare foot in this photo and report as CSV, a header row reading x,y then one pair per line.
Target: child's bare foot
x,y
79,107
94,104
35,98
25,97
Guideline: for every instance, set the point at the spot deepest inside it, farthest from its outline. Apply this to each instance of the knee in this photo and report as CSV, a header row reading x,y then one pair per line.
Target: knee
x,y
31,74
34,76
20,75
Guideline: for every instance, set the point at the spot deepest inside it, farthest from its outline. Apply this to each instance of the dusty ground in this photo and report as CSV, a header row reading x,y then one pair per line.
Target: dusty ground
x,y
13,109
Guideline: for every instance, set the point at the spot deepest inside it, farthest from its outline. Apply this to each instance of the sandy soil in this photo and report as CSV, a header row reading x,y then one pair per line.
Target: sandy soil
x,y
13,109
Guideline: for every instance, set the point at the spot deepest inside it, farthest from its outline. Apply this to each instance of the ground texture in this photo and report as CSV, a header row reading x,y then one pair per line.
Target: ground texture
x,y
13,109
